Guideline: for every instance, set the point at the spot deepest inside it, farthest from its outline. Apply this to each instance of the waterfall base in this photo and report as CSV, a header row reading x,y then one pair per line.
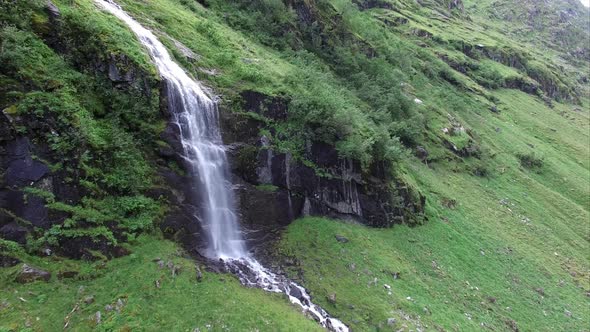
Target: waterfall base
x,y
252,274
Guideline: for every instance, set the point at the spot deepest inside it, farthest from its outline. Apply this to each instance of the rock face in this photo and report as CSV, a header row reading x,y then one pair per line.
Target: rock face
x,y
27,158
29,274
19,213
274,188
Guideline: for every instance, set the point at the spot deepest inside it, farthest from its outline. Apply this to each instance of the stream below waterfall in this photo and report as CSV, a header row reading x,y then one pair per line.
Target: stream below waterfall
x,y
196,115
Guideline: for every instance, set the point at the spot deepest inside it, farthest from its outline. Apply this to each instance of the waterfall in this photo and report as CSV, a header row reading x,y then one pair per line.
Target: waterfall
x,y
196,115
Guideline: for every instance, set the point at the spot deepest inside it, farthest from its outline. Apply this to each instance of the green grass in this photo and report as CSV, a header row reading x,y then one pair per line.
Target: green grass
x,y
217,303
512,248
511,233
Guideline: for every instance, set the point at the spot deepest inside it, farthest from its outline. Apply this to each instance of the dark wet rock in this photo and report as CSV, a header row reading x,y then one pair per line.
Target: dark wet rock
x,y
22,169
84,247
296,293
271,107
7,261
6,130
120,70
29,274
29,208
341,238
421,153
12,230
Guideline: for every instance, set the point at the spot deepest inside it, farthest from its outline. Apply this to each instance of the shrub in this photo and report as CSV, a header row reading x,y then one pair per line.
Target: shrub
x,y
530,161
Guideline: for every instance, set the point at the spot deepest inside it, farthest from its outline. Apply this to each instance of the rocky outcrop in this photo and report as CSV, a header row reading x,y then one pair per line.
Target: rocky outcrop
x,y
18,215
274,187
29,274
456,4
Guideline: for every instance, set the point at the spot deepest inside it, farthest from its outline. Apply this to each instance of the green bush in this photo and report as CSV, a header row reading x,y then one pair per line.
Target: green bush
x,y
531,161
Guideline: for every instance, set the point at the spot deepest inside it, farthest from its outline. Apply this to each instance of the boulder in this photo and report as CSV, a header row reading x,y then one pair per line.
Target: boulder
x,y
296,293
341,238
421,153
7,261
331,298
29,274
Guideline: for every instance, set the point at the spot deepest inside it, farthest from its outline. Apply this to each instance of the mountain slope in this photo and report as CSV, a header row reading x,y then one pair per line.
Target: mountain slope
x,y
475,115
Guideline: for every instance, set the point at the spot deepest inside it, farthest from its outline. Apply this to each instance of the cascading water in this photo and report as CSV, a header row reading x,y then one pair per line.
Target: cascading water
x,y
196,115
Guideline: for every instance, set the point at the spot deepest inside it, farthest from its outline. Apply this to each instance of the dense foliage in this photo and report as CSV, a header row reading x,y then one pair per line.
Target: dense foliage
x,y
97,136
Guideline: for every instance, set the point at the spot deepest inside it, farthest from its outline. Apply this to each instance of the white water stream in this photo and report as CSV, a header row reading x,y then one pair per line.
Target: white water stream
x,y
196,115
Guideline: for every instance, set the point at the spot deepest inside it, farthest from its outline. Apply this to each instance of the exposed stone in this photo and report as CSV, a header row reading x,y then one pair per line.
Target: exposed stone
x,y
296,293
6,130
7,261
331,298
22,169
391,321
29,274
89,299
52,10
341,238
421,153
456,4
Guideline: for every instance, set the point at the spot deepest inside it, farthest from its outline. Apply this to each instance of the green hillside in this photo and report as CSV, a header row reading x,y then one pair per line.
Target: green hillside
x,y
482,108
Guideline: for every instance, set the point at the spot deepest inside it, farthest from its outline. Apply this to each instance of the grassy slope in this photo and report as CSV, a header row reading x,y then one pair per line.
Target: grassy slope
x,y
481,249
181,304
441,263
